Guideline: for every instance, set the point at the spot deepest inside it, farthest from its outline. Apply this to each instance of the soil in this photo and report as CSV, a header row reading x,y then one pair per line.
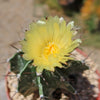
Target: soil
x,y
94,54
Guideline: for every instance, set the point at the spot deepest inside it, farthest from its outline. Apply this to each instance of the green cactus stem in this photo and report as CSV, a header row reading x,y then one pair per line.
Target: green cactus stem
x,y
48,81
40,86
24,67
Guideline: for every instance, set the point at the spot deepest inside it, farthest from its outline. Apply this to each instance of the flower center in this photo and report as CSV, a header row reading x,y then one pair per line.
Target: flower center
x,y
50,49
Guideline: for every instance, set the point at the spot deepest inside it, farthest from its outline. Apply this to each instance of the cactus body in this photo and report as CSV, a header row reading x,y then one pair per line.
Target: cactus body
x,y
48,81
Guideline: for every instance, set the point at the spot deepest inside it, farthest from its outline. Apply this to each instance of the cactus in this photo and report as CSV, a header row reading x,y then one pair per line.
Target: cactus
x,y
41,65
50,81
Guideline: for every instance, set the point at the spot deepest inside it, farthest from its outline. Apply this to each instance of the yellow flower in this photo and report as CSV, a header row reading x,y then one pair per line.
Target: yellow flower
x,y
49,43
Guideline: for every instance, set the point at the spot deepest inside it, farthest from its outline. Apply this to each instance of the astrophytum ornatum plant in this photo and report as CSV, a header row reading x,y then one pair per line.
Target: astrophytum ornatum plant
x,y
44,62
